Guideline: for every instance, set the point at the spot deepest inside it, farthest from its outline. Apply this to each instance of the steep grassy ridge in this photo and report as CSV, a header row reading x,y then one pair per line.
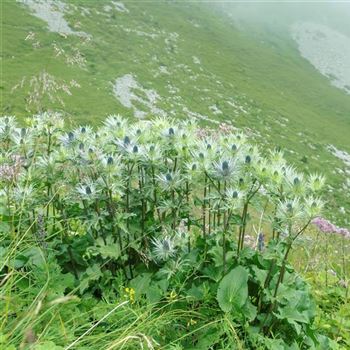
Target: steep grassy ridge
x,y
186,61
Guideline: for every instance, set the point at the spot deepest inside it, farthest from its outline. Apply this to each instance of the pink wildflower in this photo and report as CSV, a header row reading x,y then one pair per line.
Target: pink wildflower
x,y
326,226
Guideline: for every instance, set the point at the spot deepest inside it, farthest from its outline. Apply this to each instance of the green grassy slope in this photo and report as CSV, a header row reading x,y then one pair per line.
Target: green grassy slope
x,y
277,93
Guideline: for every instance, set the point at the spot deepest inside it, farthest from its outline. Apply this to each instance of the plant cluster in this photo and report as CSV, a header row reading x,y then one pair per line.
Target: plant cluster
x,y
160,213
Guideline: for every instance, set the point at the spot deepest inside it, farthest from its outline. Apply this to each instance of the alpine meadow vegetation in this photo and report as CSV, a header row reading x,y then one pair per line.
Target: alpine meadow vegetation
x,y
163,234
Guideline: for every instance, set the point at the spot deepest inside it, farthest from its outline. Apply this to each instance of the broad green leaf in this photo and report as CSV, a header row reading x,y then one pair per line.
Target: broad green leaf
x,y
232,293
108,250
92,273
213,273
33,256
260,275
47,345
195,293
216,254
275,344
210,338
249,311
154,294
141,283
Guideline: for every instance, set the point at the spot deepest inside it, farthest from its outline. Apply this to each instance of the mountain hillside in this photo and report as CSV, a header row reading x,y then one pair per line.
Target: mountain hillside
x,y
184,60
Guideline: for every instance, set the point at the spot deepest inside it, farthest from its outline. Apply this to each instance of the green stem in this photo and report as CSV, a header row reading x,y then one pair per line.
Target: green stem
x,y
188,215
73,262
127,205
226,221
240,232
343,257
226,227
204,207
209,212
155,199
219,214
326,261
173,209
244,224
283,266
143,214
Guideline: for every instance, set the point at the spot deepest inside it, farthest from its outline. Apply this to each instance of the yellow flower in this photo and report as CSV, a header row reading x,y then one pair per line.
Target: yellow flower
x,y
130,294
191,322
172,295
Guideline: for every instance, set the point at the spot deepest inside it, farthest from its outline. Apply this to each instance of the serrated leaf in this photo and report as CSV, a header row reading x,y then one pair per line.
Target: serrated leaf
x,y
106,250
110,251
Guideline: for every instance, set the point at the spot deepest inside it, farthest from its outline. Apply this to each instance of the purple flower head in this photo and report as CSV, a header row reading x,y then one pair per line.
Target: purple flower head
x,y
326,226
344,232
261,243
11,170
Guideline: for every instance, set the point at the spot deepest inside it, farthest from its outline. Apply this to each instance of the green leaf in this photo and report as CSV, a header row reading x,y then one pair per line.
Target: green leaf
x,y
232,293
195,293
92,273
31,256
275,344
163,285
260,275
292,315
47,345
208,339
213,273
108,250
141,283
249,311
216,254
154,294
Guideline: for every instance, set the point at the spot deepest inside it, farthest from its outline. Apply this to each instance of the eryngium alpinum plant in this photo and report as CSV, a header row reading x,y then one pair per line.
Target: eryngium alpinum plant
x,y
189,208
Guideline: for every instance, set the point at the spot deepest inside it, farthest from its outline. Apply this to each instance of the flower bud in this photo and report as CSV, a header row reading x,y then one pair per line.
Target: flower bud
x,y
126,140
